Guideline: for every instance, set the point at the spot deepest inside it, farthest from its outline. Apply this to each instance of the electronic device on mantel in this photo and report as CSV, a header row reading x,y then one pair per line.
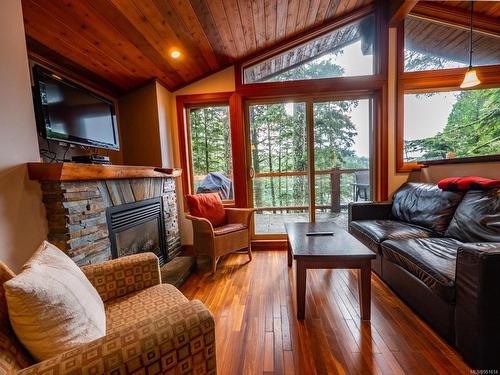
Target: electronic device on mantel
x,y
91,159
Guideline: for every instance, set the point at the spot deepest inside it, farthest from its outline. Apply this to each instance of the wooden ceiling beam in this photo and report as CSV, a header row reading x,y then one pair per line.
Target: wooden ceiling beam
x,y
457,16
398,10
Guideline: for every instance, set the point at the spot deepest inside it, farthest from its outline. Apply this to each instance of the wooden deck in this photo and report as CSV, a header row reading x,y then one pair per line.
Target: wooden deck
x,y
257,333
275,223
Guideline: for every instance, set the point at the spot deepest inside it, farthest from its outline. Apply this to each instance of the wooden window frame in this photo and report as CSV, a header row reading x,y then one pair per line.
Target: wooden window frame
x,y
435,81
184,103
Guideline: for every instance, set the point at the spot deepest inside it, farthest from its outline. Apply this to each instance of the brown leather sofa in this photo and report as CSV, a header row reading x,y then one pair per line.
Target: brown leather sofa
x,y
440,252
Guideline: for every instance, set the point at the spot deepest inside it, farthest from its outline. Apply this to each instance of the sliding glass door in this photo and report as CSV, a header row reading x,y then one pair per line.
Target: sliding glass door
x,y
279,154
309,159
342,157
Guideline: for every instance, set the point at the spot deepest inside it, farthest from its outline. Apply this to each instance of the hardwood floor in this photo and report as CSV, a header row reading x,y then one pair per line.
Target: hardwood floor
x,y
257,332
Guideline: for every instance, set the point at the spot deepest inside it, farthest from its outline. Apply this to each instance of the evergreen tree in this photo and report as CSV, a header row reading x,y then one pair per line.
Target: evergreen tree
x,y
472,128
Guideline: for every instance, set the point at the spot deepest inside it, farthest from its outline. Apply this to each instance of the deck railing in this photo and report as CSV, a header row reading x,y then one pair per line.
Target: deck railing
x,y
335,191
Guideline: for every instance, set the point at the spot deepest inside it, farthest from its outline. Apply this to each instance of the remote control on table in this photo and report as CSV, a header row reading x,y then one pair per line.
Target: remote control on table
x,y
319,234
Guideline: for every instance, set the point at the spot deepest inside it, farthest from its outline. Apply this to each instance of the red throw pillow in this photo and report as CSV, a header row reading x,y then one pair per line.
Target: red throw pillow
x,y
468,183
208,206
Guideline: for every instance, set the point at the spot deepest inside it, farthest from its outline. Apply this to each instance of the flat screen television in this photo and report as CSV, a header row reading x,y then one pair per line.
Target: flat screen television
x,y
68,112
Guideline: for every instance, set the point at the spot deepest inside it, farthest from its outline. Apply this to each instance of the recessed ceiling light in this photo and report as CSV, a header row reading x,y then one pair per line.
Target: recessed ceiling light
x,y
175,54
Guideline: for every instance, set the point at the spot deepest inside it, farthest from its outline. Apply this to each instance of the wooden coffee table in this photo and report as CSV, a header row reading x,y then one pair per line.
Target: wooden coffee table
x,y
340,250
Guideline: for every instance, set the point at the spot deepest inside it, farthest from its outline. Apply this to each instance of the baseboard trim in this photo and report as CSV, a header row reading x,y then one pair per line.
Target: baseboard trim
x,y
269,244
257,245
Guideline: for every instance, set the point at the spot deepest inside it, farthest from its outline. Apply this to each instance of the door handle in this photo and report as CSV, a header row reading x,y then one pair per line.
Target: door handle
x,y
251,172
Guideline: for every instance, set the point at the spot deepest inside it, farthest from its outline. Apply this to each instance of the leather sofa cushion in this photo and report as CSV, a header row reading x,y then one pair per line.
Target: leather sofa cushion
x,y
477,218
376,231
425,205
431,260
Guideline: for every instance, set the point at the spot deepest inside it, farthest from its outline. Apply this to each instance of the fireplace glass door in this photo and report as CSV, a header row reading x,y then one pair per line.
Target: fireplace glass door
x,y
137,228
140,238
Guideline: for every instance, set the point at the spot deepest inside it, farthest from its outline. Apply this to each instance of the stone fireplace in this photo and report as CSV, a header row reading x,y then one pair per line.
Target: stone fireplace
x,y
96,212
76,213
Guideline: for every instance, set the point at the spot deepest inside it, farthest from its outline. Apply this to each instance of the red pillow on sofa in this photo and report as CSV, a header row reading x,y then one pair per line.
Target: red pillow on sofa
x,y
467,183
208,206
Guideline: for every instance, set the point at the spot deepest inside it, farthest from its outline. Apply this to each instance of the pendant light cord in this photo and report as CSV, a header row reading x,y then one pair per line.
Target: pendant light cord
x,y
470,41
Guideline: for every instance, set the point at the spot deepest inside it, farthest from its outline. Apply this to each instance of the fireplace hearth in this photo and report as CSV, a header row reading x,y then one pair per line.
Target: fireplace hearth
x,y
137,228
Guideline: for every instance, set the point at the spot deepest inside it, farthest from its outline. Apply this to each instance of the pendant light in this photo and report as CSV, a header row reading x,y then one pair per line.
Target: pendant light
x,y
470,79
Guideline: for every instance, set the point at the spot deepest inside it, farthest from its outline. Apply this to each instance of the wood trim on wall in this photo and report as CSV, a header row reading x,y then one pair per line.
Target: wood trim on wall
x,y
448,79
380,106
312,87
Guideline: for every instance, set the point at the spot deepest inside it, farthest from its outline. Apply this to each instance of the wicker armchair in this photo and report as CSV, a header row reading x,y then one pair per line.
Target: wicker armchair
x,y
150,327
219,241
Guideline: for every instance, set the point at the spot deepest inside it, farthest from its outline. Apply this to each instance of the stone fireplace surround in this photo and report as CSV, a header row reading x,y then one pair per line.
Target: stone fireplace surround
x,y
76,213
76,197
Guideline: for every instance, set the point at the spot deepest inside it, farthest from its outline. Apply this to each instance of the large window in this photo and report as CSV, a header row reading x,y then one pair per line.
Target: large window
x,y
452,124
437,121
432,45
211,159
343,52
308,167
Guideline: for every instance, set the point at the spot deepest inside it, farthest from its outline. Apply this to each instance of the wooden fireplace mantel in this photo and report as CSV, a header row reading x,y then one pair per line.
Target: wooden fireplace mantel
x,y
85,172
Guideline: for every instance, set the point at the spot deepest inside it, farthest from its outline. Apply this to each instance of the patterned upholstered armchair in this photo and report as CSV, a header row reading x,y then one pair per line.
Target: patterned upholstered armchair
x,y
151,327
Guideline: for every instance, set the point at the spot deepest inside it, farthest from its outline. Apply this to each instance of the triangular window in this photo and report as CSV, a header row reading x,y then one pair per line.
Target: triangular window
x,y
344,52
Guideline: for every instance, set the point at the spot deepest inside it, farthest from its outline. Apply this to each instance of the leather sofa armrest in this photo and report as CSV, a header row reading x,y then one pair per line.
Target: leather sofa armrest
x,y
477,322
121,276
369,210
176,340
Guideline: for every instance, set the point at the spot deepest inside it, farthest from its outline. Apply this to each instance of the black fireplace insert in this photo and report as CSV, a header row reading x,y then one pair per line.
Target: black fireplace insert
x,y
137,228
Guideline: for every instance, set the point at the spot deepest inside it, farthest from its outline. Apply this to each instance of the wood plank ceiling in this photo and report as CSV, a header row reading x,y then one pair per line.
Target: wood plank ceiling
x,y
450,43
128,42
